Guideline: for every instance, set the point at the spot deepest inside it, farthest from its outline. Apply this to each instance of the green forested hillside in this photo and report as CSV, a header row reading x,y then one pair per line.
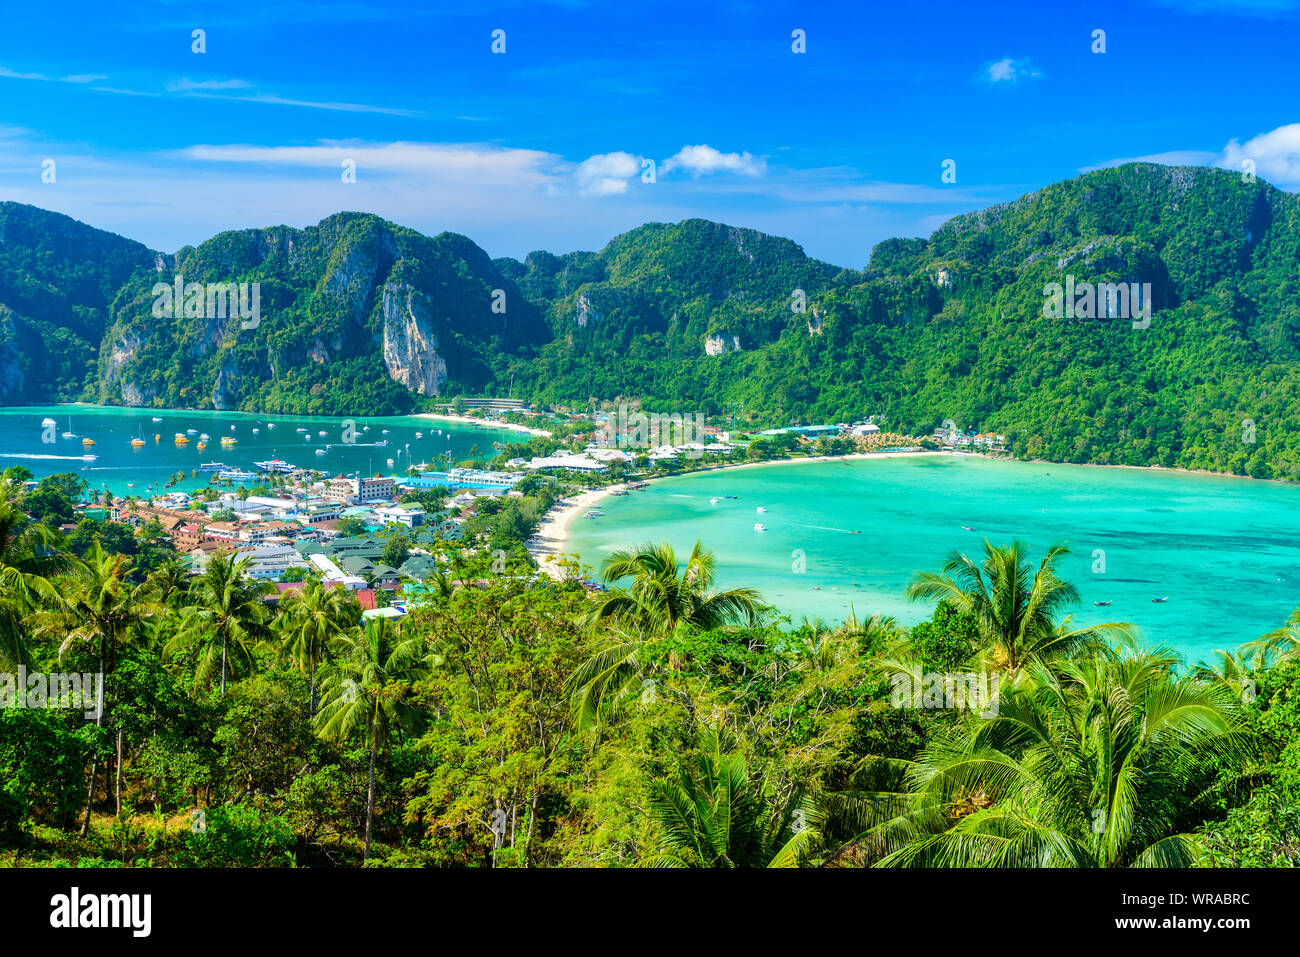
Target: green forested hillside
x,y
362,316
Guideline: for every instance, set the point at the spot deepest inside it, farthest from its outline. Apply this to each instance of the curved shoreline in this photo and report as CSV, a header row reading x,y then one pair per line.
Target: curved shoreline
x,y
546,545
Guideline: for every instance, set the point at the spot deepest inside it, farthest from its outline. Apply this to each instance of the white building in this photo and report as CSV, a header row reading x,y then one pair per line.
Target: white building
x,y
567,460
407,515
269,561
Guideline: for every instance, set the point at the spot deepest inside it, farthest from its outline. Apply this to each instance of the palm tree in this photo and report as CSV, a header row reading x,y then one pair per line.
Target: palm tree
x,y
1015,604
364,693
225,621
1088,763
714,813
169,583
28,556
99,607
311,620
1277,646
658,604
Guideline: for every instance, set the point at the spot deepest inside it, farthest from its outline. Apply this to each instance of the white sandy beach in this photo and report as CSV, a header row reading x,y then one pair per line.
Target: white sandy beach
x,y
547,545
470,420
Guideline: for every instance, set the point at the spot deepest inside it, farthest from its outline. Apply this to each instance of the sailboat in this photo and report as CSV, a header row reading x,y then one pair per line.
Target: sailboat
x,y
69,434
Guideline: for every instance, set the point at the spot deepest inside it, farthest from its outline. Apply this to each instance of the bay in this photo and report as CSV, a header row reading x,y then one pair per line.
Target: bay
x,y
1225,551
124,469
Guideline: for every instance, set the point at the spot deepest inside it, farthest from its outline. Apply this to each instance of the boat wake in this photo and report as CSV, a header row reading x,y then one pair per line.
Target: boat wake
x,y
33,455
827,528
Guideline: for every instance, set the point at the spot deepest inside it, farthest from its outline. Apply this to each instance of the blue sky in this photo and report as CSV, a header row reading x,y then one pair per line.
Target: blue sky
x,y
542,146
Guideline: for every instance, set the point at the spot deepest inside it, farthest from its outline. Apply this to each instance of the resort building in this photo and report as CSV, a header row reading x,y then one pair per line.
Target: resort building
x,y
407,515
270,561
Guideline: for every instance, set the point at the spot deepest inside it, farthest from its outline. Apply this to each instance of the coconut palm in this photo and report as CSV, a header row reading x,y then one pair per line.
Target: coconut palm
x,y
169,583
311,620
99,606
28,556
224,622
1277,646
1016,605
364,693
715,813
1086,763
658,603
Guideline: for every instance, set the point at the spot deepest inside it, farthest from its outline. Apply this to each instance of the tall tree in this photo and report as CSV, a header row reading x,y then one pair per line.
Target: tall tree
x,y
311,620
660,601
224,623
100,607
1018,606
366,694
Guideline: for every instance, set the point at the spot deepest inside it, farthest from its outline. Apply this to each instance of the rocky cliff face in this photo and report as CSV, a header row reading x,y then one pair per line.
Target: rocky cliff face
x,y
409,343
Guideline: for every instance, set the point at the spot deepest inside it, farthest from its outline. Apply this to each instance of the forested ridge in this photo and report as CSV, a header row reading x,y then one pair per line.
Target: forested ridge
x,y
360,316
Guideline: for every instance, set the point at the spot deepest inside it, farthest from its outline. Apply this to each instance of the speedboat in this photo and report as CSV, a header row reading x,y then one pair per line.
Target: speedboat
x,y
322,433
1157,601
255,431
760,509
320,451
419,435
1102,603
967,528
270,425
759,528
87,441
713,501
191,431
157,418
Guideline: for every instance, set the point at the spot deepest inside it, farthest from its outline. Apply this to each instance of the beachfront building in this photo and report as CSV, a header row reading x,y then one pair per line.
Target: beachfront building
x,y
566,460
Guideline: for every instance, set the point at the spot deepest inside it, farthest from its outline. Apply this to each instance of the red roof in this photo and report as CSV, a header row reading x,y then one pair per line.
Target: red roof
x,y
367,598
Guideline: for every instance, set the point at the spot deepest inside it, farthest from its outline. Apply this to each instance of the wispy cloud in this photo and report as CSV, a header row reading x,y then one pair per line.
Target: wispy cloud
x,y
186,85
1010,70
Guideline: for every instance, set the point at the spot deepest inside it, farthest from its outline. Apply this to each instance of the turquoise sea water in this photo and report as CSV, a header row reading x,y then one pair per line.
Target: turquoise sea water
x,y
1226,551
118,465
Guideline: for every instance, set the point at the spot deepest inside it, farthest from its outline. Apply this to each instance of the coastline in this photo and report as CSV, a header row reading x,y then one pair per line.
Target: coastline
x,y
546,546
470,420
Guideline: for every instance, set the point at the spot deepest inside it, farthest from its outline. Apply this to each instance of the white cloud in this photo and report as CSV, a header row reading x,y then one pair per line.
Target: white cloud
x,y
606,174
1276,155
704,159
1009,70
